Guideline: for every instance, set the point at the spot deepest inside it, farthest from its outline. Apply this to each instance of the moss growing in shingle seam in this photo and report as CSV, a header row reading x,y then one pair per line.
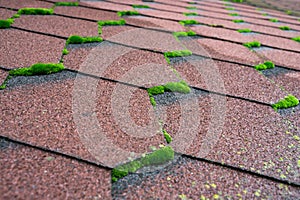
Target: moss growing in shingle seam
x,y
191,8
65,51
75,39
38,69
190,14
15,16
188,22
112,22
229,8
297,39
288,102
180,53
180,87
233,14
167,136
184,34
128,13
6,23
252,44
244,30
35,11
216,25
3,85
265,14
273,20
238,20
158,157
285,28
265,65
140,6
192,2
66,4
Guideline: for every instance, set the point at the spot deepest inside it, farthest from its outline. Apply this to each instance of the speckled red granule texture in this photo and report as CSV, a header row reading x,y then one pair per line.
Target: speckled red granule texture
x,y
3,75
5,13
17,4
110,31
282,58
237,80
289,81
163,14
193,180
28,173
30,49
57,25
86,13
149,22
223,50
106,5
234,132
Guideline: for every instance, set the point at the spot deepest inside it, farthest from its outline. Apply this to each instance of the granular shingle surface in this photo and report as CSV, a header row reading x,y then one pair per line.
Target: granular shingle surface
x,y
129,90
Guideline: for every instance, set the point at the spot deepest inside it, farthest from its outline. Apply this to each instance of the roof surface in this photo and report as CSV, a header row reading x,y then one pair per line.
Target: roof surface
x,y
62,134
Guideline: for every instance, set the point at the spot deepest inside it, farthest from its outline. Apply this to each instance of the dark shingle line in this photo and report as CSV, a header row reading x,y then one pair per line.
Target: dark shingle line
x,y
226,13
245,171
73,157
41,33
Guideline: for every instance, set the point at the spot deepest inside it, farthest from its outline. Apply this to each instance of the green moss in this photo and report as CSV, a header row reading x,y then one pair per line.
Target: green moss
x,y
180,87
167,136
273,20
158,157
191,8
188,22
65,51
192,2
216,25
265,14
35,11
288,102
297,39
66,3
6,23
265,65
244,30
3,85
38,69
15,16
238,20
172,54
289,12
112,22
285,28
75,39
152,101
184,34
252,44
128,13
229,8
233,14
140,6
190,14
156,90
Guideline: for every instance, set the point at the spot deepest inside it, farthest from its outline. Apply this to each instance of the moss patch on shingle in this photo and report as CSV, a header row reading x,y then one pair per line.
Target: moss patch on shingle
x,y
66,4
140,6
265,65
288,102
244,30
38,69
6,23
128,13
190,14
252,44
297,39
188,22
184,34
75,39
285,28
35,11
238,20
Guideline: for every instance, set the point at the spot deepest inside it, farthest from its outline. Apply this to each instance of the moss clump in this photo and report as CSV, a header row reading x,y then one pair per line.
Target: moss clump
x,y
180,87
75,39
152,101
158,157
273,20
229,8
66,3
244,30
65,51
265,65
192,2
128,13
184,34
288,102
191,8
140,6
264,14
6,23
15,16
112,22
285,28
297,39
172,54
233,14
216,25
3,86
190,14
167,136
188,22
35,11
38,69
252,44
238,20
